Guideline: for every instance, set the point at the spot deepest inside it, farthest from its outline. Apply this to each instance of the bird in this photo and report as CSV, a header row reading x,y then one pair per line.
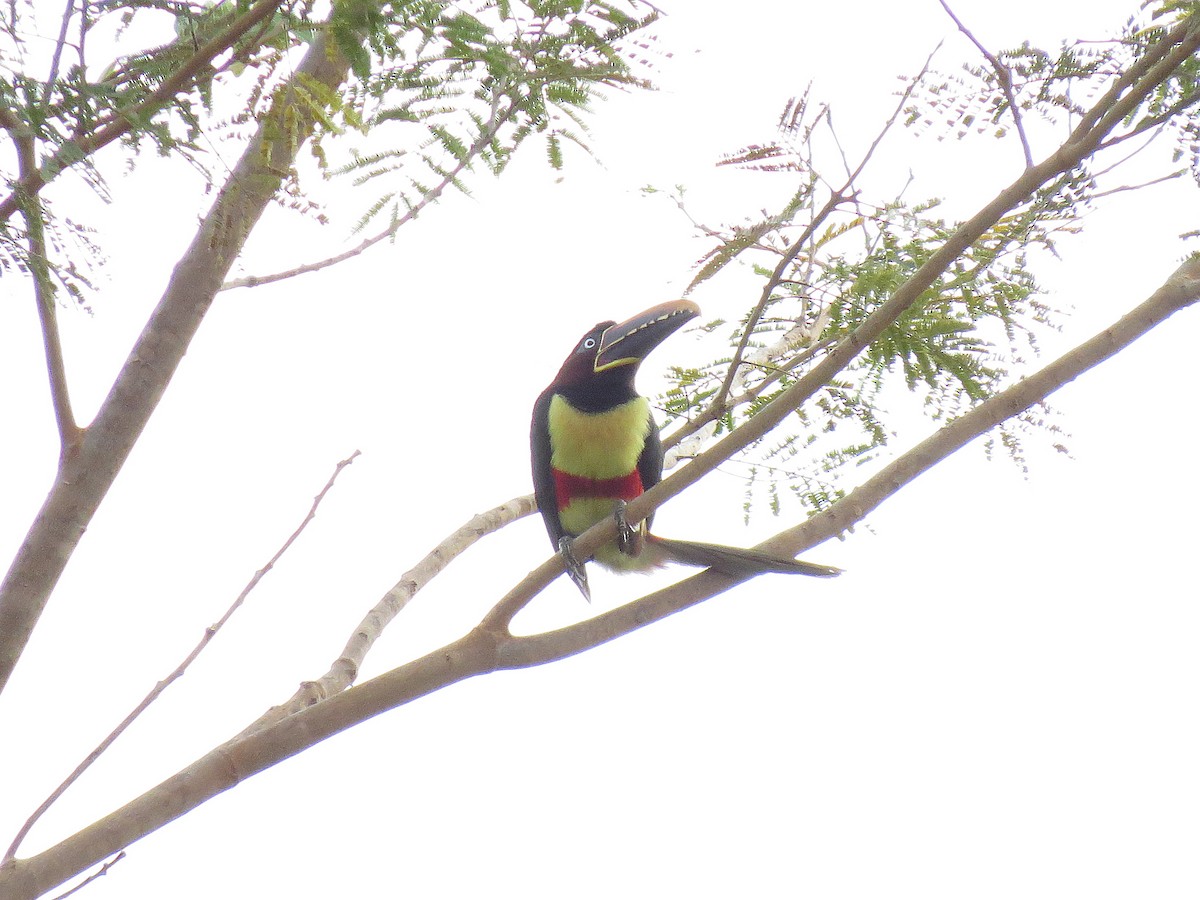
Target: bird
x,y
595,446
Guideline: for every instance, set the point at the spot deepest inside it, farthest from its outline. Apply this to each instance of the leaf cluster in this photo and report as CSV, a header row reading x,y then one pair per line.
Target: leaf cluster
x,y
446,86
831,255
436,86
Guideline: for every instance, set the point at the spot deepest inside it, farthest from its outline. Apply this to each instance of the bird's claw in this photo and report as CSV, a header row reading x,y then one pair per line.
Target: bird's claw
x,y
629,539
574,567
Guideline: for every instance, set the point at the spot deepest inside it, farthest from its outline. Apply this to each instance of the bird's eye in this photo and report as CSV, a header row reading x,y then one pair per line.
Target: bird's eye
x,y
588,343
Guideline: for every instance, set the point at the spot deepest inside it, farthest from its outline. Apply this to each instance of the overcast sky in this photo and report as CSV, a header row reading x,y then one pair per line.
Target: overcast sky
x,y
997,699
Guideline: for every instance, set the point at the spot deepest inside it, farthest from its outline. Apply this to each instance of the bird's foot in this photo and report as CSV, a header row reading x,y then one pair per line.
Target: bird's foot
x,y
574,567
629,539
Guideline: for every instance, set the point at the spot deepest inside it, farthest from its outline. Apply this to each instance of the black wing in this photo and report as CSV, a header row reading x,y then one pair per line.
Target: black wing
x,y
543,473
650,463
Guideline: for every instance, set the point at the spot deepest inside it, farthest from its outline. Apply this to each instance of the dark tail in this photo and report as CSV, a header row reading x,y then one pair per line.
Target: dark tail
x,y
735,561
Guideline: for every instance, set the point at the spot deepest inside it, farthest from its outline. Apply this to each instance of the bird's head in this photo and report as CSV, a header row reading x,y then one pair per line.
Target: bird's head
x,y
612,351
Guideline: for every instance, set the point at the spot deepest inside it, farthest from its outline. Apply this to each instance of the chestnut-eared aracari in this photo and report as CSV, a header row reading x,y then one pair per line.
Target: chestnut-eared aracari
x,y
595,446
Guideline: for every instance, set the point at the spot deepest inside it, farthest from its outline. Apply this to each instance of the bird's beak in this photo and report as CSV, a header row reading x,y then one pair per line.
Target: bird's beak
x,y
629,342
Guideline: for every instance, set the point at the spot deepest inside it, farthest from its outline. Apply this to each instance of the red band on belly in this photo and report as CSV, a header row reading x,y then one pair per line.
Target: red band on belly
x,y
570,487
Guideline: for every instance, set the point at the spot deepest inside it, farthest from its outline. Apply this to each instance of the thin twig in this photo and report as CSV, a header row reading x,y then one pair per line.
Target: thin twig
x,y
43,289
98,874
123,120
1003,74
495,123
157,690
836,198
1151,122
1138,187
52,75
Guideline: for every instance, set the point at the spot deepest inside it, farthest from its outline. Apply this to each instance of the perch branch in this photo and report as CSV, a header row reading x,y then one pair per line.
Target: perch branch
x,y
489,647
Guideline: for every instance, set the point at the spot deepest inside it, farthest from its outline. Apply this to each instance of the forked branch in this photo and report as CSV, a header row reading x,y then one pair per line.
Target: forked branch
x,y
43,288
490,646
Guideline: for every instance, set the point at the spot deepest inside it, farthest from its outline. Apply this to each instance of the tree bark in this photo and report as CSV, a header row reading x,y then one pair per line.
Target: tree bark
x,y
85,474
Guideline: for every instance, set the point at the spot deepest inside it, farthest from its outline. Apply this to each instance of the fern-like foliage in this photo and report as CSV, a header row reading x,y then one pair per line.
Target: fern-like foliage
x,y
438,87
829,257
451,85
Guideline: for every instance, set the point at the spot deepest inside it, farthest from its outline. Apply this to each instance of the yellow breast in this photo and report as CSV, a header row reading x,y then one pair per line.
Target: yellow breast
x,y
598,445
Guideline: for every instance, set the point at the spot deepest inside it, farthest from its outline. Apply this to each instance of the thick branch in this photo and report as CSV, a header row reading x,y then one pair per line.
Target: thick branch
x,y
157,690
86,475
239,759
489,646
1181,289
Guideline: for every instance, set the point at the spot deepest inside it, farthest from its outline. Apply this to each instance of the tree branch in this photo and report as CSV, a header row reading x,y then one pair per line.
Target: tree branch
x,y
496,121
85,476
344,671
490,646
43,289
1152,122
100,873
59,44
1159,62
160,687
1003,75
122,121
1180,290
1117,103
836,198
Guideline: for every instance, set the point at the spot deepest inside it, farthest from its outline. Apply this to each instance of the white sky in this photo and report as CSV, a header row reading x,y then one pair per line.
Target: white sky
x,y
998,699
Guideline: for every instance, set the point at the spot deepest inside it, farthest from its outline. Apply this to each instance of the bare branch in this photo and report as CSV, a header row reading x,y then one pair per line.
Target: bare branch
x,y
345,668
1003,75
1137,187
98,874
59,44
158,689
85,476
